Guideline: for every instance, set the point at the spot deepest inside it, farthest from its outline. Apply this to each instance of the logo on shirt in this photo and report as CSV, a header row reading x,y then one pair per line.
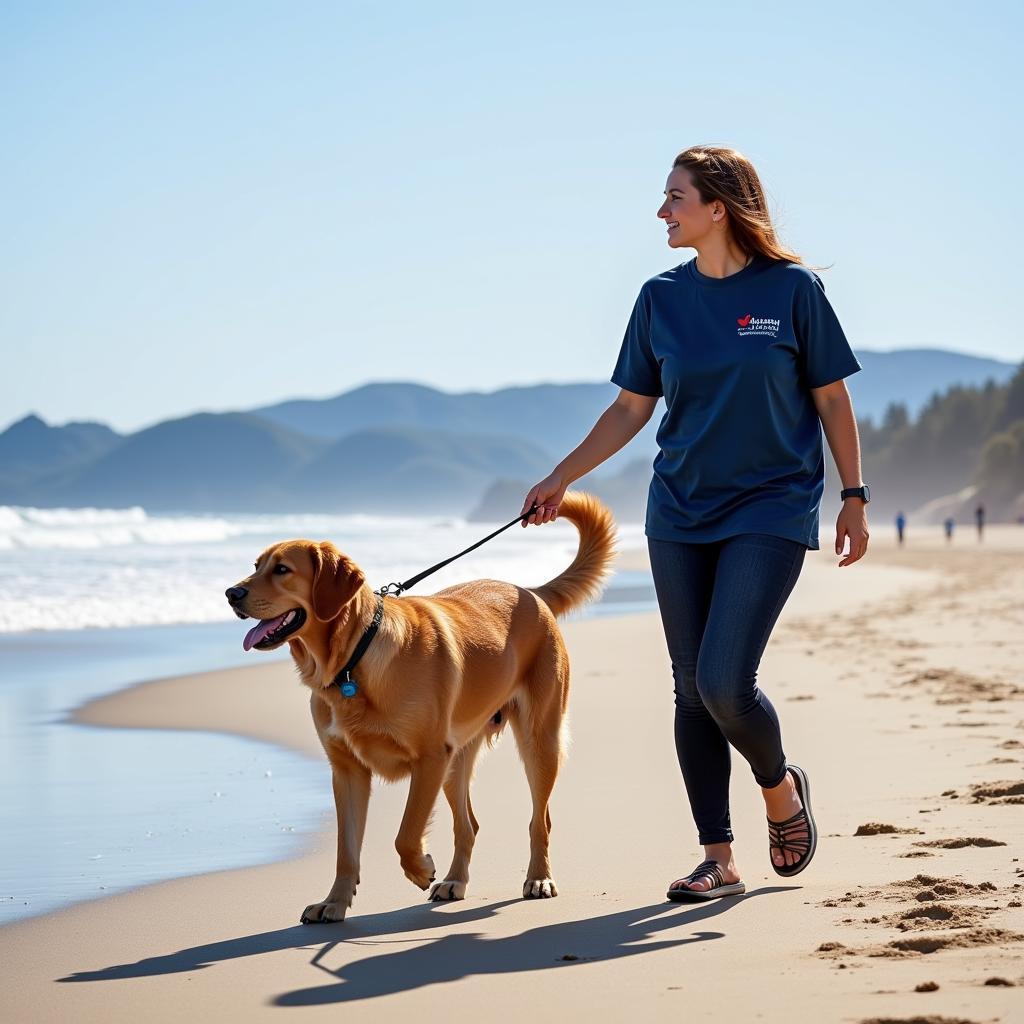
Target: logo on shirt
x,y
764,325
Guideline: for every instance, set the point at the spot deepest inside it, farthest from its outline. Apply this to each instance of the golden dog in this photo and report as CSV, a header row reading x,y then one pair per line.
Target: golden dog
x,y
443,674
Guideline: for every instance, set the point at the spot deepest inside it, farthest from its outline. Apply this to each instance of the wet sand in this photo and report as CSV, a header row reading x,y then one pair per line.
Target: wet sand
x,y
899,686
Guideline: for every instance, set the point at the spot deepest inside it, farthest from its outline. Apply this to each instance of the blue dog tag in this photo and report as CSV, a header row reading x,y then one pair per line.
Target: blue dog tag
x,y
348,689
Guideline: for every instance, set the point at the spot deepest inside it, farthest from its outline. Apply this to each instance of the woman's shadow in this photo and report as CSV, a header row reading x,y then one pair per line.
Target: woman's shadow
x,y
449,957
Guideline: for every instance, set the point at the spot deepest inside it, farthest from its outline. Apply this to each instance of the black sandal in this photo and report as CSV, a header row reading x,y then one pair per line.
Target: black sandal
x,y
712,870
785,835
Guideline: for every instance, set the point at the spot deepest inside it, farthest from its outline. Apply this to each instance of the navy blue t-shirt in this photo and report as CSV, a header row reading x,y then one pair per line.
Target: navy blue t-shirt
x,y
735,358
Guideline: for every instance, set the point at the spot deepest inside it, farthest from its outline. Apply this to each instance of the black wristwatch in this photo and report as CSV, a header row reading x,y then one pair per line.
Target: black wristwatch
x,y
863,492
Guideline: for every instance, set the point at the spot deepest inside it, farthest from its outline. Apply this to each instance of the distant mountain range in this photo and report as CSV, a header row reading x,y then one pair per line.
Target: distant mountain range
x,y
552,414
395,447
30,448
238,462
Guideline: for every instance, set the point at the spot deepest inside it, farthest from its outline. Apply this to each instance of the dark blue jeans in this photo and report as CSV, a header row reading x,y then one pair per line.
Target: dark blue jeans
x,y
719,602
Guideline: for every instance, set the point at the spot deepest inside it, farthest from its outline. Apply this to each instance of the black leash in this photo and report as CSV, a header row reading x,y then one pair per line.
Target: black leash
x,y
343,680
396,589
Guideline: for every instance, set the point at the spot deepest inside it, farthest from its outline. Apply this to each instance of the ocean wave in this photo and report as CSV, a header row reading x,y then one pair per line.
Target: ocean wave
x,y
76,516
102,568
91,528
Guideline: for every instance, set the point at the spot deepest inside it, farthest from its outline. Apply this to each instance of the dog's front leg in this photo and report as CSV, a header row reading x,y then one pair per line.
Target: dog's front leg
x,y
351,782
428,774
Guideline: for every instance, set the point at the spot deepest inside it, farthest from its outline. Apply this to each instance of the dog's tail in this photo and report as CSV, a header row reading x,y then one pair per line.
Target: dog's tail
x,y
583,579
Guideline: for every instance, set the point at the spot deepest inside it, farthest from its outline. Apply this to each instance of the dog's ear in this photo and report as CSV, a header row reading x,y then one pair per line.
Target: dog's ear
x,y
336,580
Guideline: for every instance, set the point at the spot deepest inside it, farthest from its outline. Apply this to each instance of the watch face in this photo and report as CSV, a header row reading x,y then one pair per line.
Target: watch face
x,y
867,493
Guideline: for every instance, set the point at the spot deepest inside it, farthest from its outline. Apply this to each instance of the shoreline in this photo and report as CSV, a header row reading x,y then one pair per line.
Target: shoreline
x,y
195,789
599,880
243,700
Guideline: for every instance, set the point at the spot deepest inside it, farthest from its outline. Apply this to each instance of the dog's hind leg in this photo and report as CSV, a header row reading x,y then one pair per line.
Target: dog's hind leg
x,y
539,736
456,789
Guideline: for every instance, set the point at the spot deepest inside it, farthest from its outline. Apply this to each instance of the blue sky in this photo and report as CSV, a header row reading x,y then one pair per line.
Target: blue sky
x,y
217,205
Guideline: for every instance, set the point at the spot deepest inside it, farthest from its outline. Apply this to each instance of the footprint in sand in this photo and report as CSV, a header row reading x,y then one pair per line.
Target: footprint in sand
x,y
923,945
948,686
998,793
931,916
926,944
936,921
928,887
930,1018
960,843
874,828
922,888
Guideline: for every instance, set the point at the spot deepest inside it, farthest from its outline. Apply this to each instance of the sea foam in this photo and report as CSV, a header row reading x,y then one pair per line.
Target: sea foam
x,y
96,568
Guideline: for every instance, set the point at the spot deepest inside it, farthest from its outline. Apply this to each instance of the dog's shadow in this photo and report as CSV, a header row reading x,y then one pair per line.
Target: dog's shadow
x,y
447,958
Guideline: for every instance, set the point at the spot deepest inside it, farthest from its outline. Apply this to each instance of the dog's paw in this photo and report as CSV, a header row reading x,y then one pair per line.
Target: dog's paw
x,y
324,913
539,889
419,870
447,890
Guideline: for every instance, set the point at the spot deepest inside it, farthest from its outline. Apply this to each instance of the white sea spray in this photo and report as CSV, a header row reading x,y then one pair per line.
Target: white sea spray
x,y
99,568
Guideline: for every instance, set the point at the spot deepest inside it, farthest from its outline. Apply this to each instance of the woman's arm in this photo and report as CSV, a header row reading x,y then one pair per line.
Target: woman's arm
x,y
835,410
619,424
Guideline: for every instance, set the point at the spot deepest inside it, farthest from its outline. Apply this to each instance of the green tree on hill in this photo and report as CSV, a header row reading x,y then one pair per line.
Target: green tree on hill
x,y
966,435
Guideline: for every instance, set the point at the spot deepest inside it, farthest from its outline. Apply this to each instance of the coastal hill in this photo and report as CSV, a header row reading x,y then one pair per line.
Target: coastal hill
x,y
926,418
553,415
30,448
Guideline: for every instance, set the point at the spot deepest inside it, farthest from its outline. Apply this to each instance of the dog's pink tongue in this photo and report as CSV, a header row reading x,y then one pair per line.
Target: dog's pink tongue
x,y
259,631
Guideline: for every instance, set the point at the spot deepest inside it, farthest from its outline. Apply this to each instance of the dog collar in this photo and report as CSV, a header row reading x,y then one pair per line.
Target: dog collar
x,y
343,680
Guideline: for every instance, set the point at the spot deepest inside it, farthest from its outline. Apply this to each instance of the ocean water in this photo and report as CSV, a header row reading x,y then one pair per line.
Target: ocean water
x,y
93,601
102,568
90,811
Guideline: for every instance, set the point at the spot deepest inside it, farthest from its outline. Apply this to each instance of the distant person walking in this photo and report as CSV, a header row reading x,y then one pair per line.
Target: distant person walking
x,y
901,525
750,358
948,524
979,518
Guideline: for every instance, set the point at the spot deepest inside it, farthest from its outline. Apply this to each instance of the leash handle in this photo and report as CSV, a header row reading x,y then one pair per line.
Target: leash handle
x,y
395,589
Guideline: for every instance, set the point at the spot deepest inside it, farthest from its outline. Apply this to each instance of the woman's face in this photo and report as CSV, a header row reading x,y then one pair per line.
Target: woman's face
x,y
687,218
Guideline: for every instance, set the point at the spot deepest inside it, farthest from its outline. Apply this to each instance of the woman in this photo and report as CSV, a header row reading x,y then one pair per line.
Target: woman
x,y
750,359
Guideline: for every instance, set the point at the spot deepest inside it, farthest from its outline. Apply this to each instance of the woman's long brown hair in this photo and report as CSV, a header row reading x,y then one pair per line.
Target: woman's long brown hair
x,y
728,176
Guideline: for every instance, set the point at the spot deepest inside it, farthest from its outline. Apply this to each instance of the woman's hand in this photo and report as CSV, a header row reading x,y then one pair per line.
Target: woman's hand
x,y
547,495
852,523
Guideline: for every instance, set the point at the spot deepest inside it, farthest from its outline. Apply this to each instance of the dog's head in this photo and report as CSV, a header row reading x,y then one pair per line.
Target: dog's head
x,y
294,582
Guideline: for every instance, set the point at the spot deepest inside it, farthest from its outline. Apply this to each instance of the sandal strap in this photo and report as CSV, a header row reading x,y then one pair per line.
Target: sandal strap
x,y
780,834
788,848
708,869
800,816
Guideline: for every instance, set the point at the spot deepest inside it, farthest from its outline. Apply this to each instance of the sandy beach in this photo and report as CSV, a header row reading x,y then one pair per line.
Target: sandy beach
x,y
899,687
